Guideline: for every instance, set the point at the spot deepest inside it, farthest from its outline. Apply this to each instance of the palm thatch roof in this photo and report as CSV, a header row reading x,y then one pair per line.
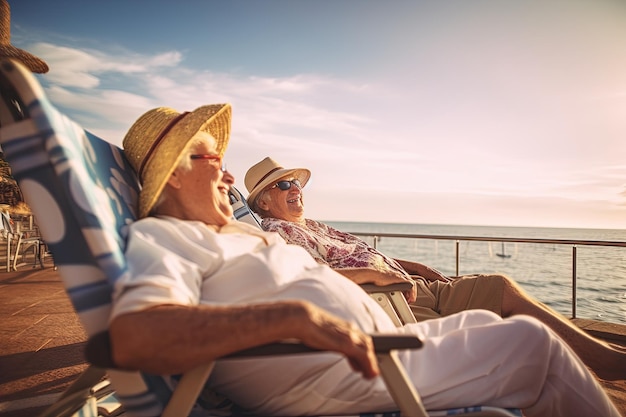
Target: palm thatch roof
x,y
10,193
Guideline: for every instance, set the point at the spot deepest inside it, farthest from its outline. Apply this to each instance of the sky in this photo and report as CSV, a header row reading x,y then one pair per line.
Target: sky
x,y
468,112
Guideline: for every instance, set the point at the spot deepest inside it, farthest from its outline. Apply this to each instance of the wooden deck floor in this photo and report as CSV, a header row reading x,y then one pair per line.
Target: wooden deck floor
x,y
42,342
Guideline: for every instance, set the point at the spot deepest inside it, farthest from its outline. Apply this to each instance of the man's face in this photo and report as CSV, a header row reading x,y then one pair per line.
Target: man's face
x,y
286,204
203,190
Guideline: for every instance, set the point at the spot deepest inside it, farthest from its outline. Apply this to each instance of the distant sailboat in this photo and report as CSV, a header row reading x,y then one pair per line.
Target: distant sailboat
x,y
503,254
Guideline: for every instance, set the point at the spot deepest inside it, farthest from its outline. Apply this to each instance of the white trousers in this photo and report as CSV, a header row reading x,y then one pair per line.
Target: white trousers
x,y
481,359
469,358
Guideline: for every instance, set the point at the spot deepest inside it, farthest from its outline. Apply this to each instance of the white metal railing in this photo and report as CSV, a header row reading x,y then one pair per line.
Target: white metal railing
x,y
458,238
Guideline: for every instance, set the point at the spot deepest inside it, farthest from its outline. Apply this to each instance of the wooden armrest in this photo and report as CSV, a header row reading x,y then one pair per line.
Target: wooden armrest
x,y
383,343
400,286
98,349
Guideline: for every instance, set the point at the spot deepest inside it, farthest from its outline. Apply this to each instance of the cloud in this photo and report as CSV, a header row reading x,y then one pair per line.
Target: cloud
x,y
79,68
373,137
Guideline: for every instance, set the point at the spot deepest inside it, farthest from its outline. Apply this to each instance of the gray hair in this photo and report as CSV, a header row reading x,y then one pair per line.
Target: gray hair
x,y
263,196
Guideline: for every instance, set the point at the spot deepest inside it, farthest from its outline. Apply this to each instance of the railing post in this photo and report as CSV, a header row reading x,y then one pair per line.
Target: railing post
x,y
457,257
375,241
574,250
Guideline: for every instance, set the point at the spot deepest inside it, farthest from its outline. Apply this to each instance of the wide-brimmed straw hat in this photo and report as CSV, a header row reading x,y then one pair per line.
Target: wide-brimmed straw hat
x,y
9,51
267,172
156,141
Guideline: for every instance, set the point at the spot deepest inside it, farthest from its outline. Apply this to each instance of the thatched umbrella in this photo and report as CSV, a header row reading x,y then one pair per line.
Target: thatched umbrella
x,y
10,193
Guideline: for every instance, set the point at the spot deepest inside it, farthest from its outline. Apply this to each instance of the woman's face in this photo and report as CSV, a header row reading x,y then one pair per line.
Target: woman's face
x,y
202,191
284,204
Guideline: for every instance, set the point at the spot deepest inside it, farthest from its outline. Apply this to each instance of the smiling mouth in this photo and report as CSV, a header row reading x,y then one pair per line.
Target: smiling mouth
x,y
293,200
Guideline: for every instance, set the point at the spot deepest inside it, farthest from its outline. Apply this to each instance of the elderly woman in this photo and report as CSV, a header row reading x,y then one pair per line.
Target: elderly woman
x,y
202,285
277,195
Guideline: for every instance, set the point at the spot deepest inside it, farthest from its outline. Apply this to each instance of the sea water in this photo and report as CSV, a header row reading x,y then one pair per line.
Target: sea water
x,y
545,271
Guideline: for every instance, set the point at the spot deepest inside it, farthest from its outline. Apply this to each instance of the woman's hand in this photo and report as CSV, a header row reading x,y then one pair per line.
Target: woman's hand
x,y
376,277
424,271
411,295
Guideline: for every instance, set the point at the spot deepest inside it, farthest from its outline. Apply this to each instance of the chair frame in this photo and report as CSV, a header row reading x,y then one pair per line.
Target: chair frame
x,y
22,244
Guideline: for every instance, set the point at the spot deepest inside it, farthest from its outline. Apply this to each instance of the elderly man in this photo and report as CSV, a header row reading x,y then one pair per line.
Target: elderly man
x,y
202,285
275,193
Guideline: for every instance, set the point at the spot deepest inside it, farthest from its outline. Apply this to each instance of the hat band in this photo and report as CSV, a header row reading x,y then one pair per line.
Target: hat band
x,y
265,176
158,140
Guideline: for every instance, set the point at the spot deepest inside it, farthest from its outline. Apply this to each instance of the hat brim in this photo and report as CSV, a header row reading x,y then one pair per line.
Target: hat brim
x,y
214,119
29,60
302,174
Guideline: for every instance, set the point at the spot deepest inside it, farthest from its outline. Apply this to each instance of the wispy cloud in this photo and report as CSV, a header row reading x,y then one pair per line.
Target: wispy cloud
x,y
371,137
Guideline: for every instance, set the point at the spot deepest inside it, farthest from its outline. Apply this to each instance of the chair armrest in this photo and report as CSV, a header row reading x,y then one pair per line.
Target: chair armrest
x,y
400,286
391,299
98,351
98,348
383,343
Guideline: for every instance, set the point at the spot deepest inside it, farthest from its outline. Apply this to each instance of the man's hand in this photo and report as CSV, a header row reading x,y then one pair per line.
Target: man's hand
x,y
325,331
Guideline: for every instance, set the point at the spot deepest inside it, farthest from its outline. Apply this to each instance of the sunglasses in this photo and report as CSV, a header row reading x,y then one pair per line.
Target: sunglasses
x,y
285,185
214,160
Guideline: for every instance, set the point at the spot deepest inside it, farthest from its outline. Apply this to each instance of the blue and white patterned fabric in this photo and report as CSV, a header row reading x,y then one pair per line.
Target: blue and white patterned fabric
x,y
84,195
81,190
241,209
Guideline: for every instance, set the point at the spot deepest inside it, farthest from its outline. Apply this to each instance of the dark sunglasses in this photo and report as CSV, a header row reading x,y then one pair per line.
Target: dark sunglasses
x,y
285,185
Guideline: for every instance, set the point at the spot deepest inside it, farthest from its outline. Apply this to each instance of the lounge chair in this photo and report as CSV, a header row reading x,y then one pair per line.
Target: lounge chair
x,y
22,243
83,193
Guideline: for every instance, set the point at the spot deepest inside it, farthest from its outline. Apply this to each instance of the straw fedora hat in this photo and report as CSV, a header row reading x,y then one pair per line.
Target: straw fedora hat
x,y
9,51
156,142
267,172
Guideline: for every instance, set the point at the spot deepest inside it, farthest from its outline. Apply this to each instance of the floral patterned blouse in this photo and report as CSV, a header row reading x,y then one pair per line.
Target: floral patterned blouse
x,y
327,245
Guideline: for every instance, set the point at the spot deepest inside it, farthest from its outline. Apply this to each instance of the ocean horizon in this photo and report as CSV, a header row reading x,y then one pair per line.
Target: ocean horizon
x,y
543,270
